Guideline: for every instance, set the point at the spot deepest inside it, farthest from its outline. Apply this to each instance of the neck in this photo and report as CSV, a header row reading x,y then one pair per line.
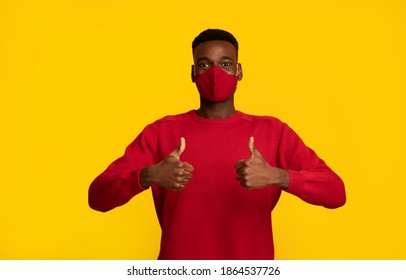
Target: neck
x,y
216,110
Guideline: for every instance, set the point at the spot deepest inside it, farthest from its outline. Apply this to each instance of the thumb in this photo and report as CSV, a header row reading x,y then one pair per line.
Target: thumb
x,y
253,150
179,150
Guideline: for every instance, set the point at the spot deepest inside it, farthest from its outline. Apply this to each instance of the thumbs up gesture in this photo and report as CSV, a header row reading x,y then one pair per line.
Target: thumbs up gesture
x,y
171,172
255,172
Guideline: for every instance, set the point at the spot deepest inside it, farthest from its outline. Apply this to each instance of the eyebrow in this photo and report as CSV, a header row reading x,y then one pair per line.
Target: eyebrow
x,y
206,58
202,59
227,57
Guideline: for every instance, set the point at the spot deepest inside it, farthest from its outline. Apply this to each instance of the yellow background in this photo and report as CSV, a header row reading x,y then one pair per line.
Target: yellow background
x,y
80,79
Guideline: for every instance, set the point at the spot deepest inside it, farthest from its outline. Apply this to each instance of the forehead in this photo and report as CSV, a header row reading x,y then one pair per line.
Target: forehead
x,y
215,49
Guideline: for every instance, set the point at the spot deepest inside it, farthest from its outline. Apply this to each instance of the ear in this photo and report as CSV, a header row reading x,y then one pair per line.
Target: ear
x,y
193,73
239,71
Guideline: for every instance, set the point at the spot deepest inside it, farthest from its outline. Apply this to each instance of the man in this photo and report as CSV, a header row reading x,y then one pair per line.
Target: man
x,y
217,173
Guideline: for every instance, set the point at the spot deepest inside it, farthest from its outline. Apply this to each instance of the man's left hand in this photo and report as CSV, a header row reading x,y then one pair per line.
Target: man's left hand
x,y
255,172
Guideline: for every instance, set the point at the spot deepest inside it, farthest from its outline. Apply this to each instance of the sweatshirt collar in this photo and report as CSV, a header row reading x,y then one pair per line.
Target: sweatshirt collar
x,y
230,119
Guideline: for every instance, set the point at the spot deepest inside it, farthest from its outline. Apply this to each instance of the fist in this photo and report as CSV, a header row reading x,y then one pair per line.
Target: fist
x,y
255,172
171,172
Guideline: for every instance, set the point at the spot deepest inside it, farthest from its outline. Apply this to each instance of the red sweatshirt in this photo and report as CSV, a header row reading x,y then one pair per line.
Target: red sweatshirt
x,y
214,217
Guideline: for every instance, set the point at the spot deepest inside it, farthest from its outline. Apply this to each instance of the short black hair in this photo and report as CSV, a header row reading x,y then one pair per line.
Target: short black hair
x,y
214,34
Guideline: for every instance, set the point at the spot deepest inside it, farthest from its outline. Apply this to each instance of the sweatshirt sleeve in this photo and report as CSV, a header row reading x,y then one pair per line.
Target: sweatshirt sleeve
x,y
310,178
121,180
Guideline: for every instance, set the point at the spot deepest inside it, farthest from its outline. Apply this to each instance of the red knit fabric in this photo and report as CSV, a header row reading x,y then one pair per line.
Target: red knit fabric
x,y
214,217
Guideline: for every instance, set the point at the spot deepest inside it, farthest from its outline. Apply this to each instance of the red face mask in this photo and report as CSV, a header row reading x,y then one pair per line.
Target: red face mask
x,y
215,84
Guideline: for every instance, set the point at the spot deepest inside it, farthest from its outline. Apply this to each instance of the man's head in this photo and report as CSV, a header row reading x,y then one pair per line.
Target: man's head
x,y
216,70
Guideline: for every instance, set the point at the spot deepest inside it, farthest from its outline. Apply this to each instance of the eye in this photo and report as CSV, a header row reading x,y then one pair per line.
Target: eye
x,y
203,65
225,64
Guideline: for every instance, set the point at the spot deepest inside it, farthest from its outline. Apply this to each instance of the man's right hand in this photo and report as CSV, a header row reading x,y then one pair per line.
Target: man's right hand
x,y
170,173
